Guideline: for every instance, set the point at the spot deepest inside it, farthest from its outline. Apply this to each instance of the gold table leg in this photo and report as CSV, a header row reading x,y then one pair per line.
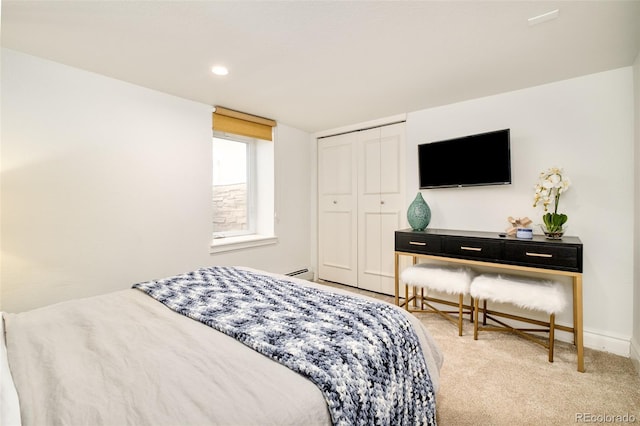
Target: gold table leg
x,y
577,320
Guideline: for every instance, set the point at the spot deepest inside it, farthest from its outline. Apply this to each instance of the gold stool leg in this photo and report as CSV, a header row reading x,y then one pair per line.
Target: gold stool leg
x,y
476,307
552,325
484,312
460,301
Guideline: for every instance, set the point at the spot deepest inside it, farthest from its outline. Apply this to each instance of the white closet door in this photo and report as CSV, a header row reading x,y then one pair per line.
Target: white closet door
x,y
337,209
381,204
393,207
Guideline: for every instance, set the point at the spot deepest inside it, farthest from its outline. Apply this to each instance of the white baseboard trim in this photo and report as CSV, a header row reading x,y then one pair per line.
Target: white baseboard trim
x,y
601,342
635,355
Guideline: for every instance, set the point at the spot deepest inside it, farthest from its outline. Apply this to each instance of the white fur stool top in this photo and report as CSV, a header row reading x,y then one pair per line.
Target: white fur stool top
x,y
446,279
524,292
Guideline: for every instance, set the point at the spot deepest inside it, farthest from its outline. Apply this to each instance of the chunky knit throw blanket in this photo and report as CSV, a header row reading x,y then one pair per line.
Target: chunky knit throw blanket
x,y
364,356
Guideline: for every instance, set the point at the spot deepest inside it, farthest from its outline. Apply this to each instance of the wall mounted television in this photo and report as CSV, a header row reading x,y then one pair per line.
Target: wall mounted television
x,y
475,160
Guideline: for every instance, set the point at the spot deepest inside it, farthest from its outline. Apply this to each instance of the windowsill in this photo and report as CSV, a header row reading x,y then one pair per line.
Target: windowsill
x,y
220,245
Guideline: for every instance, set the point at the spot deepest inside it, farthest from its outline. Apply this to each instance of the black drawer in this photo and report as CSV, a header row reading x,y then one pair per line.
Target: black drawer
x,y
473,248
545,255
418,243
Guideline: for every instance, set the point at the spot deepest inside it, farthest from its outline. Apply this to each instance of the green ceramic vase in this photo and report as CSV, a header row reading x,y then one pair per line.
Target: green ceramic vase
x,y
419,213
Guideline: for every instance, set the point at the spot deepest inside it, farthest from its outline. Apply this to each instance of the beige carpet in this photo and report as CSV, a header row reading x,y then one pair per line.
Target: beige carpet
x,y
503,379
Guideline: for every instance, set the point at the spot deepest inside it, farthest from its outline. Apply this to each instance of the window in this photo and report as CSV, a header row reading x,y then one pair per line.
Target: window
x,y
233,187
243,180
243,192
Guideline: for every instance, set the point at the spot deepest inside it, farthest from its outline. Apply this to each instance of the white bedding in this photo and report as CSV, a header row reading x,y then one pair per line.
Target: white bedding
x,y
124,358
9,404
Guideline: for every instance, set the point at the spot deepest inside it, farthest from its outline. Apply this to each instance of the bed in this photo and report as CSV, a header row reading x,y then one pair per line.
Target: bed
x,y
153,355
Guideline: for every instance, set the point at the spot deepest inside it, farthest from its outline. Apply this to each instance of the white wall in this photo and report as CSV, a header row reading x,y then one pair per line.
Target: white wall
x,y
635,341
105,184
584,125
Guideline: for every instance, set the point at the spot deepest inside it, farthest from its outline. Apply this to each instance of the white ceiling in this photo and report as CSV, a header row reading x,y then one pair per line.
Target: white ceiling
x,y
318,65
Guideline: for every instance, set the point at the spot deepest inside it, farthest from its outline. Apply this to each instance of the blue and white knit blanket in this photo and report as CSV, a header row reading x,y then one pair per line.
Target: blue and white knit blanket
x,y
364,356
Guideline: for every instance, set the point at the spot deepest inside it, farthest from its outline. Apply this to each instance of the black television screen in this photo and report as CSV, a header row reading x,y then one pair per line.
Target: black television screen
x,y
482,159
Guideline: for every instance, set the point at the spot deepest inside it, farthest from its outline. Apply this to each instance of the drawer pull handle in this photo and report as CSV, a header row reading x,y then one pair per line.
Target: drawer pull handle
x,y
538,254
416,243
470,248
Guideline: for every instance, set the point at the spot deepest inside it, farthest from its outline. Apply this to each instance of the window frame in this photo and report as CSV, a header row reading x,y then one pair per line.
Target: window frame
x,y
251,190
261,213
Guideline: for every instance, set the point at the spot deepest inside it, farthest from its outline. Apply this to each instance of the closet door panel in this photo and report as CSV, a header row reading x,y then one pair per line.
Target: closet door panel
x,y
376,271
392,151
337,210
380,205
337,173
371,177
391,221
369,227
392,199
370,253
337,232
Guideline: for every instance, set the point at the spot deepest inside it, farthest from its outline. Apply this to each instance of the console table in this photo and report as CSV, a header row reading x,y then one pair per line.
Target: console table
x,y
539,255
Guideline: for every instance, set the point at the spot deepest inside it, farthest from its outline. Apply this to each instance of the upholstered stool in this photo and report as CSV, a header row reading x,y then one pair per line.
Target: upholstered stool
x,y
524,292
445,279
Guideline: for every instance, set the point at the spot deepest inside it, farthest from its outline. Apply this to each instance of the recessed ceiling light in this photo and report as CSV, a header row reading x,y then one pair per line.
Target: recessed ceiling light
x,y
219,70
544,17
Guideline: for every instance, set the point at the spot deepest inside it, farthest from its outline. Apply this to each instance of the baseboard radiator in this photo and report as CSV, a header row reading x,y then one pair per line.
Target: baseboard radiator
x,y
303,274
